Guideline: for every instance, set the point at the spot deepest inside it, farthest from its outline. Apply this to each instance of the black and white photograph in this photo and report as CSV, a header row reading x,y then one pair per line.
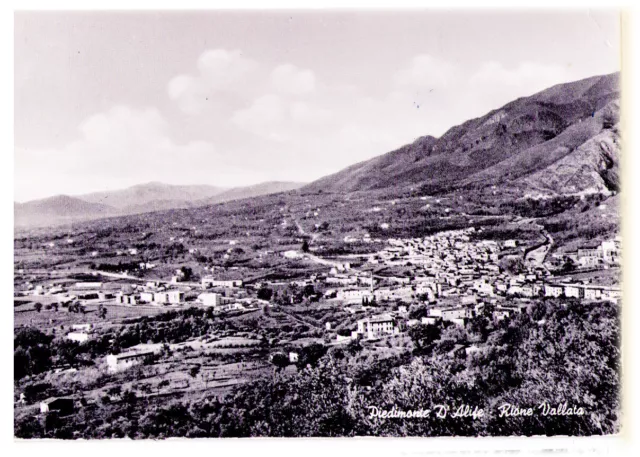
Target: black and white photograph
x,y
317,223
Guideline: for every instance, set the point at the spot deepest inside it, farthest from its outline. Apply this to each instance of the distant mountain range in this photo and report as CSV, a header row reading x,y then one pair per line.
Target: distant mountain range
x,y
154,193
153,196
563,139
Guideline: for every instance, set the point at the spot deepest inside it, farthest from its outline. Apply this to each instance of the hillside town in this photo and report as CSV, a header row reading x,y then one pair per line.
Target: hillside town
x,y
448,275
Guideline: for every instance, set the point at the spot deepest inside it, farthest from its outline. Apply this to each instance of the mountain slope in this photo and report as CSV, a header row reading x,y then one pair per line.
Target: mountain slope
x,y
58,209
592,166
521,138
265,188
134,198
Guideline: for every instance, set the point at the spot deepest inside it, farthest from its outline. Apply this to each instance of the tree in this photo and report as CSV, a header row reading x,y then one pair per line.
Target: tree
x,y
55,306
264,293
308,290
194,370
145,388
309,355
114,391
187,273
32,352
479,325
279,360
38,307
423,335
568,266
129,397
164,383
511,264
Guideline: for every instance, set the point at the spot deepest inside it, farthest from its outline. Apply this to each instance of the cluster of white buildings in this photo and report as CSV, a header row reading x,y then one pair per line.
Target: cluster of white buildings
x,y
450,264
222,303
605,254
583,291
445,264
151,292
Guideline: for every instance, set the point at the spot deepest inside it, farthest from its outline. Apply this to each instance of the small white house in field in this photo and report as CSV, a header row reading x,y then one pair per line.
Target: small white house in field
x,y
79,337
118,362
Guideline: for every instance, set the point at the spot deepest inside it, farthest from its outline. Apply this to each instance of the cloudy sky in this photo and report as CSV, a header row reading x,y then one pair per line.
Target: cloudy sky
x,y
108,100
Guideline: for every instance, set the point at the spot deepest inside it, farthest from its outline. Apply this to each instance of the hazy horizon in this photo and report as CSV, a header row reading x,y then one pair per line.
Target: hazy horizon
x,y
106,101
148,183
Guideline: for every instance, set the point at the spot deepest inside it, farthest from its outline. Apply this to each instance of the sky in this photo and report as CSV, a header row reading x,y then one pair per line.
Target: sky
x,y
105,101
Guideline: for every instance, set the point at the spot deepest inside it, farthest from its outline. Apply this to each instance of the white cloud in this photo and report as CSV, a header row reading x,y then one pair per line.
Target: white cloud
x,y
264,114
425,71
187,92
278,118
525,79
336,125
219,71
119,147
180,85
222,69
493,85
305,113
290,79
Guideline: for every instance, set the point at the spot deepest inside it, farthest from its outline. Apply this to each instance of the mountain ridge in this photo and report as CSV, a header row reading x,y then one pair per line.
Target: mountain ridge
x,y
564,115
137,199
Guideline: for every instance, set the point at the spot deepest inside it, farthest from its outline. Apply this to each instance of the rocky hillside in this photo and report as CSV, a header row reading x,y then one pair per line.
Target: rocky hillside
x,y
592,166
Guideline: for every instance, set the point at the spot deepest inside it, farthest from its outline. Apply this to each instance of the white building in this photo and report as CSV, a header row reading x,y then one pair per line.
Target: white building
x,y
128,299
118,362
377,326
552,290
354,295
430,320
79,337
170,296
88,285
210,299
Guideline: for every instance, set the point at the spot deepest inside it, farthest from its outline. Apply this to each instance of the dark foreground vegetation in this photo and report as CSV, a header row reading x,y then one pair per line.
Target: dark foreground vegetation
x,y
557,352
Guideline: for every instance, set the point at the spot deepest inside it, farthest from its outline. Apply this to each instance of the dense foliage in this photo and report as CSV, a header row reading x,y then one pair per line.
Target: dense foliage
x,y
556,352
